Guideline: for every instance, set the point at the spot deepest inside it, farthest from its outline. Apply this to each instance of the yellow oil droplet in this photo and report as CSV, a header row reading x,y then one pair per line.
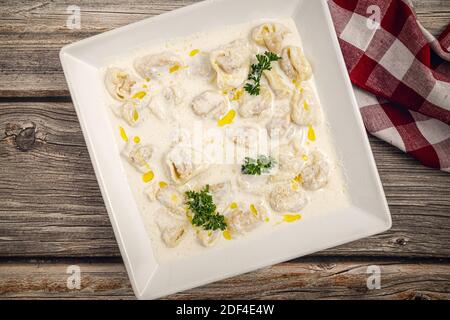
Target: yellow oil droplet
x,y
237,95
136,139
267,220
291,217
162,184
145,86
148,176
253,210
194,52
295,185
189,216
227,235
305,105
311,133
298,178
123,134
174,68
233,205
139,95
147,79
304,157
298,85
174,198
227,119
135,115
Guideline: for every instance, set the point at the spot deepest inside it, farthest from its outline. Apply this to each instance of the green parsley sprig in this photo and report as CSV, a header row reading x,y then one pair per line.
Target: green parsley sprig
x,y
258,166
201,204
264,63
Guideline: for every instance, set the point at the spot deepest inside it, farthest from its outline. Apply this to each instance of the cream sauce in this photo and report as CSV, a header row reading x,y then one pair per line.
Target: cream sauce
x,y
160,134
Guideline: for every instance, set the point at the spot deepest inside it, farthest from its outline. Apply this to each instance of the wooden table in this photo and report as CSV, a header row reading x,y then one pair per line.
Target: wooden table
x,y
52,214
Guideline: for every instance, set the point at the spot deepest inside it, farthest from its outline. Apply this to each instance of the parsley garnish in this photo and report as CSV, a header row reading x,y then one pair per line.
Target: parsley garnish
x,y
257,166
202,206
256,70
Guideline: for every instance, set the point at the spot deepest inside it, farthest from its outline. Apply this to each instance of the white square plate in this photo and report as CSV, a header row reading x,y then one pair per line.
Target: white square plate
x,y
367,215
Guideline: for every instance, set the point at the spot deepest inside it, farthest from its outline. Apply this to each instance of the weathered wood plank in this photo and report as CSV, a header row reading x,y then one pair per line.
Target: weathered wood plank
x,y
51,205
330,279
54,204
31,34
49,280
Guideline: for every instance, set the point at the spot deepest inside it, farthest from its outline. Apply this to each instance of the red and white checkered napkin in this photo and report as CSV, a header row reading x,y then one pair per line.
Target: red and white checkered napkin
x,y
401,75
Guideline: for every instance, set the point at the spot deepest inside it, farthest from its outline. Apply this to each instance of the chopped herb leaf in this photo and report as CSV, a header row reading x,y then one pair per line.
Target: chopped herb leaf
x,y
202,206
258,166
264,60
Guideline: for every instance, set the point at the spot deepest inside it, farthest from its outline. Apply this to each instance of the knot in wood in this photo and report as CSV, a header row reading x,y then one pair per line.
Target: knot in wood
x,y
26,138
401,241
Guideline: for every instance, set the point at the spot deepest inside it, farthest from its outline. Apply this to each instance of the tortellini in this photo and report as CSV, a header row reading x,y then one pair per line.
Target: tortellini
x,y
151,190
221,193
231,64
295,65
316,173
290,156
286,199
130,111
211,104
161,104
118,83
270,35
184,163
208,238
304,109
154,65
249,141
255,106
290,161
241,221
280,127
138,155
277,83
172,236
200,65
172,199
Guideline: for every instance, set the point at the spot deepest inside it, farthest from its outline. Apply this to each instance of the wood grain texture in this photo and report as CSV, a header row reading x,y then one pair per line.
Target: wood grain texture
x,y
292,280
32,33
52,206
